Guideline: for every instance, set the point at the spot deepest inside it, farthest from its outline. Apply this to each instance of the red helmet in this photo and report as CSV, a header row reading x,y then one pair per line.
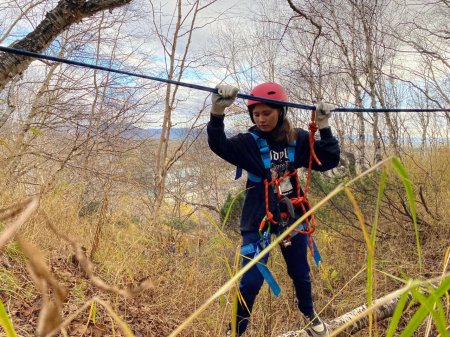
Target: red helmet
x,y
268,90
272,91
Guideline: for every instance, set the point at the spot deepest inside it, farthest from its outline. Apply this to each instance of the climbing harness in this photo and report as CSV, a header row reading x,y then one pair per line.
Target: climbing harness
x,y
26,53
255,249
300,201
288,215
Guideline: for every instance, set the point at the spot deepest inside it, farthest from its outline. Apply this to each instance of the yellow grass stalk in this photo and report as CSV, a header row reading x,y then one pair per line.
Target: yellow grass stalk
x,y
370,253
231,282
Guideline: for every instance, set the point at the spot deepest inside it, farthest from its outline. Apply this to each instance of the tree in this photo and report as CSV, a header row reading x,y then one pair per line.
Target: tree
x,y
71,124
65,14
177,62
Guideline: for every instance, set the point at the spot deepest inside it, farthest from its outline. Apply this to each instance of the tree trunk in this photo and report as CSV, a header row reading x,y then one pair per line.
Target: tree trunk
x,y
370,68
161,170
384,311
22,142
177,66
390,120
66,13
351,61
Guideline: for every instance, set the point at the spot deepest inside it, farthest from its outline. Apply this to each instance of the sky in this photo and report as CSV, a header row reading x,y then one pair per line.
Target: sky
x,y
217,16
144,50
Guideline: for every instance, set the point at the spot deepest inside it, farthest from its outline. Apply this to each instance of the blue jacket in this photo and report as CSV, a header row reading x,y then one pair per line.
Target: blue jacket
x,y
242,151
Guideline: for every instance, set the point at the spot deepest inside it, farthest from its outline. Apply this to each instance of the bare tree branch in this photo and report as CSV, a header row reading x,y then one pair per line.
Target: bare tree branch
x,y
56,21
23,13
310,19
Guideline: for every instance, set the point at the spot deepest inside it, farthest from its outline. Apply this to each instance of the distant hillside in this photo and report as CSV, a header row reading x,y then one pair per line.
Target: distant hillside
x,y
175,133
155,133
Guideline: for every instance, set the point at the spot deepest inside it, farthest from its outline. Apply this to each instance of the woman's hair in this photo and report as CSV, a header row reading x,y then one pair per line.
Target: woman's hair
x,y
283,132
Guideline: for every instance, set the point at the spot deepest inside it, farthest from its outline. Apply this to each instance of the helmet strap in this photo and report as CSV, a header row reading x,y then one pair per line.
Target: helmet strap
x,y
282,115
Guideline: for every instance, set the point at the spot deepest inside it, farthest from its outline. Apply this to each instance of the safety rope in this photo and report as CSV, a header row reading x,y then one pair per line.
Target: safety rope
x,y
27,53
300,201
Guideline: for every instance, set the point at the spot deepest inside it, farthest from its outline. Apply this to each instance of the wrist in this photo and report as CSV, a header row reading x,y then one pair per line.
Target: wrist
x,y
216,121
322,124
325,133
217,111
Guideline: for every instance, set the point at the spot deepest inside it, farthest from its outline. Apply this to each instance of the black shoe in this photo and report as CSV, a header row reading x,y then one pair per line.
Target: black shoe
x,y
316,327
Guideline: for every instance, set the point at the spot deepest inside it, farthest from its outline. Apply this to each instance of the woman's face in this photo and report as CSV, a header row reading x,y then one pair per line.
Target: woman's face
x,y
265,117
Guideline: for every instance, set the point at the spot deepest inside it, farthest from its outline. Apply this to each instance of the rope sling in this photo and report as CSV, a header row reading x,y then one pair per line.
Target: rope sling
x,y
299,201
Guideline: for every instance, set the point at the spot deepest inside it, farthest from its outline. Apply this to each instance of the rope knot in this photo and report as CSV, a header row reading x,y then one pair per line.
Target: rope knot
x,y
297,201
269,217
313,127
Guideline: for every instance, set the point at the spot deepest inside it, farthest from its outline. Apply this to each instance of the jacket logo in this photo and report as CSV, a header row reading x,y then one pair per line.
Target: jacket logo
x,y
276,156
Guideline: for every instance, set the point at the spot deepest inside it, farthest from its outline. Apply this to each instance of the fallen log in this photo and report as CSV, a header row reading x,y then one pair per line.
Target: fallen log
x,y
383,311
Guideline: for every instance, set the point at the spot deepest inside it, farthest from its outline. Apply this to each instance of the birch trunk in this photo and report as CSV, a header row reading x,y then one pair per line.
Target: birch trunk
x,y
349,52
383,312
370,69
361,143
66,13
161,171
177,66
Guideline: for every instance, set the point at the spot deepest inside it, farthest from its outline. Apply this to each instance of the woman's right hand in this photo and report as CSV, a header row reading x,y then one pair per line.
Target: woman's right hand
x,y
323,114
225,96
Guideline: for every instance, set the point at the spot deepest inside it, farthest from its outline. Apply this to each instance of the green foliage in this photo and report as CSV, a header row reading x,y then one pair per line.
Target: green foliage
x,y
319,187
329,274
13,252
79,290
5,322
403,174
36,131
323,184
428,305
397,314
230,212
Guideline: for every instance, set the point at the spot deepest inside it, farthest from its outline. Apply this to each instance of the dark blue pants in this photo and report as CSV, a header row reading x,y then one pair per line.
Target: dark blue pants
x,y
297,267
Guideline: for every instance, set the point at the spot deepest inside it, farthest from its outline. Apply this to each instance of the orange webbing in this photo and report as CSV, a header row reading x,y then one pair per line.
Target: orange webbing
x,y
269,215
298,201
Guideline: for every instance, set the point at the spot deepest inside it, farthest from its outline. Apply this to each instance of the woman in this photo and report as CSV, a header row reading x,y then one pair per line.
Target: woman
x,y
242,150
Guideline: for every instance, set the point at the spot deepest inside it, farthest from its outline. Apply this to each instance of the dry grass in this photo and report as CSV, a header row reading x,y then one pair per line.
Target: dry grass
x,y
186,268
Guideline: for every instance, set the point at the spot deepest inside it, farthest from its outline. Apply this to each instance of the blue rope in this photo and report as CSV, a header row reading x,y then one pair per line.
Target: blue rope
x,y
27,53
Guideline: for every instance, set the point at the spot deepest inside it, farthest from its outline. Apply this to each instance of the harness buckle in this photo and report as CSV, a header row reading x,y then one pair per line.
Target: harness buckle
x,y
262,245
284,224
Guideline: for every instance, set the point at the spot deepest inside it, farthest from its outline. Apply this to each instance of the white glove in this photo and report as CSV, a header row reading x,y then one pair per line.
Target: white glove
x,y
323,113
223,99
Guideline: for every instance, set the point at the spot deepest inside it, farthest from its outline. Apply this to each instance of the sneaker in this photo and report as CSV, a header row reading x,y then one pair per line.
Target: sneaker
x,y
228,333
317,328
